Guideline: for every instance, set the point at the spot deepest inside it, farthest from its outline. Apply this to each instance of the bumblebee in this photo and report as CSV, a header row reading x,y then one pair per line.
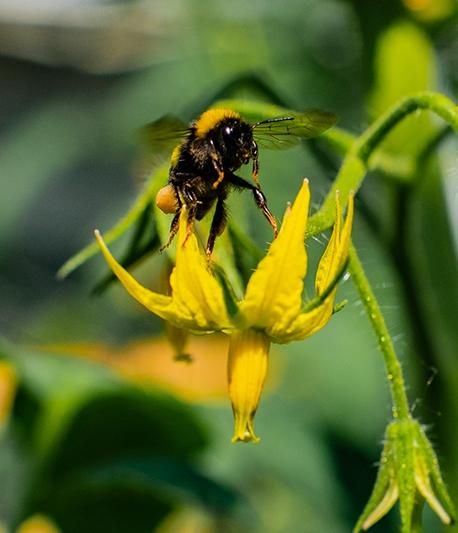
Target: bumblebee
x,y
211,149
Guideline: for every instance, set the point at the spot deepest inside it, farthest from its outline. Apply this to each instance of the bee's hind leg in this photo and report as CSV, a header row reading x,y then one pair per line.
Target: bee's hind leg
x,y
191,202
218,224
173,230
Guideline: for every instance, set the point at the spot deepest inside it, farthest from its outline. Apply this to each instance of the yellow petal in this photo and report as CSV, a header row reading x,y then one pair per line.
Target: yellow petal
x,y
330,266
323,274
305,324
274,291
166,307
247,368
157,303
336,251
193,285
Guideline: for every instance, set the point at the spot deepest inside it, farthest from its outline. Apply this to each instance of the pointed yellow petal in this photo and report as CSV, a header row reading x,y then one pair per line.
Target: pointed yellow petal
x,y
274,291
324,274
330,266
247,368
193,285
305,324
336,251
159,304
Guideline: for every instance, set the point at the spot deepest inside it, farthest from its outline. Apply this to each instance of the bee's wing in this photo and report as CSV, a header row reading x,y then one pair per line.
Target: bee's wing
x,y
156,142
161,136
283,132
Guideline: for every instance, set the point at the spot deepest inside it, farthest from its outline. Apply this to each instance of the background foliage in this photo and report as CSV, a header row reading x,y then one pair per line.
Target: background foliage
x,y
105,434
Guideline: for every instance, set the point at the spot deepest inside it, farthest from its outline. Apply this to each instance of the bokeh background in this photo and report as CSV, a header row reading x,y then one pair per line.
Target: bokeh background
x,y
102,431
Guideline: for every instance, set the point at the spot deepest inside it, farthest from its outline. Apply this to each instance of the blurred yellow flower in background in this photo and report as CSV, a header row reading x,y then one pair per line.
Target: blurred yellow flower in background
x,y
8,386
152,362
38,524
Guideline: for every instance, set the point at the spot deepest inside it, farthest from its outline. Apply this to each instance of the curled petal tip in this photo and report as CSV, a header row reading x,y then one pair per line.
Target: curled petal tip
x,y
245,438
244,431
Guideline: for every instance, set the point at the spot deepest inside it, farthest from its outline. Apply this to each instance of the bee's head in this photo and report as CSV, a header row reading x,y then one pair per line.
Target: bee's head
x,y
235,142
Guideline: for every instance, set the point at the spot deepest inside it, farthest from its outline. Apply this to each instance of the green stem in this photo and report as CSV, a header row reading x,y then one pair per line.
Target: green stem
x,y
400,407
355,164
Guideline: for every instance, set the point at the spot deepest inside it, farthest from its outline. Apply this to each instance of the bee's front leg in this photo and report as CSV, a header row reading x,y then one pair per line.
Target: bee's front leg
x,y
259,198
217,165
255,157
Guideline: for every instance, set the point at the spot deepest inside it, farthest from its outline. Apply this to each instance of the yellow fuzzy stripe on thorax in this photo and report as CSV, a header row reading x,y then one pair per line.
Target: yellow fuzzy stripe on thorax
x,y
175,155
209,119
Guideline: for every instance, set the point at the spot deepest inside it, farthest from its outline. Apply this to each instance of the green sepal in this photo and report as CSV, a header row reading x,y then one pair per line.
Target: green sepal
x,y
380,502
409,471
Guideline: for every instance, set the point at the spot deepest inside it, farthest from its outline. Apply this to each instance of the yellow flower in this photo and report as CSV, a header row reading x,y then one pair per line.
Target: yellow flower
x,y
271,311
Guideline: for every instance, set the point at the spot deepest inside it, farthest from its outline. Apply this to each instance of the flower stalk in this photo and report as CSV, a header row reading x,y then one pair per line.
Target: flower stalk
x,y
409,469
400,404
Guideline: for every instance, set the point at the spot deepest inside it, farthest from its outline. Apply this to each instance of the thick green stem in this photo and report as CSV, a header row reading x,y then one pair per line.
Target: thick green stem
x,y
356,162
393,366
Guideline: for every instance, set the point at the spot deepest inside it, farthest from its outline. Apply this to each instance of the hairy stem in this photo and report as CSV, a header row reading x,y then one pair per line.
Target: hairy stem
x,y
393,368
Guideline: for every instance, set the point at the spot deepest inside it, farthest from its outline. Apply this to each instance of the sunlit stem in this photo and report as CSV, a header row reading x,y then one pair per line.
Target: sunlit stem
x,y
356,162
393,366
247,369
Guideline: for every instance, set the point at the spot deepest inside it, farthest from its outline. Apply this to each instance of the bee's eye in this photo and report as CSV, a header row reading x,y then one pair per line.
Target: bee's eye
x,y
228,130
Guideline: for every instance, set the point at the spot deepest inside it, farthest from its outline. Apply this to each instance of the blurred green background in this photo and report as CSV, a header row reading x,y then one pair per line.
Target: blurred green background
x,y
110,443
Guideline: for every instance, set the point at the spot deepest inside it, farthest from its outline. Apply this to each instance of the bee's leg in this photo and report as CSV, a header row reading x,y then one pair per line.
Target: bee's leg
x,y
218,224
261,202
218,168
255,170
190,222
191,203
173,230
259,198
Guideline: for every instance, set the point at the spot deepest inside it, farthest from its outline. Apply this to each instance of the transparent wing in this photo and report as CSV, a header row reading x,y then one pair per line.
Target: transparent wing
x,y
157,141
283,132
161,136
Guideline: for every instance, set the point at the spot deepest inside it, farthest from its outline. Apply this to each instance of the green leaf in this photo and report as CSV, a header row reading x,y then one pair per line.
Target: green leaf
x,y
401,48
144,199
171,479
